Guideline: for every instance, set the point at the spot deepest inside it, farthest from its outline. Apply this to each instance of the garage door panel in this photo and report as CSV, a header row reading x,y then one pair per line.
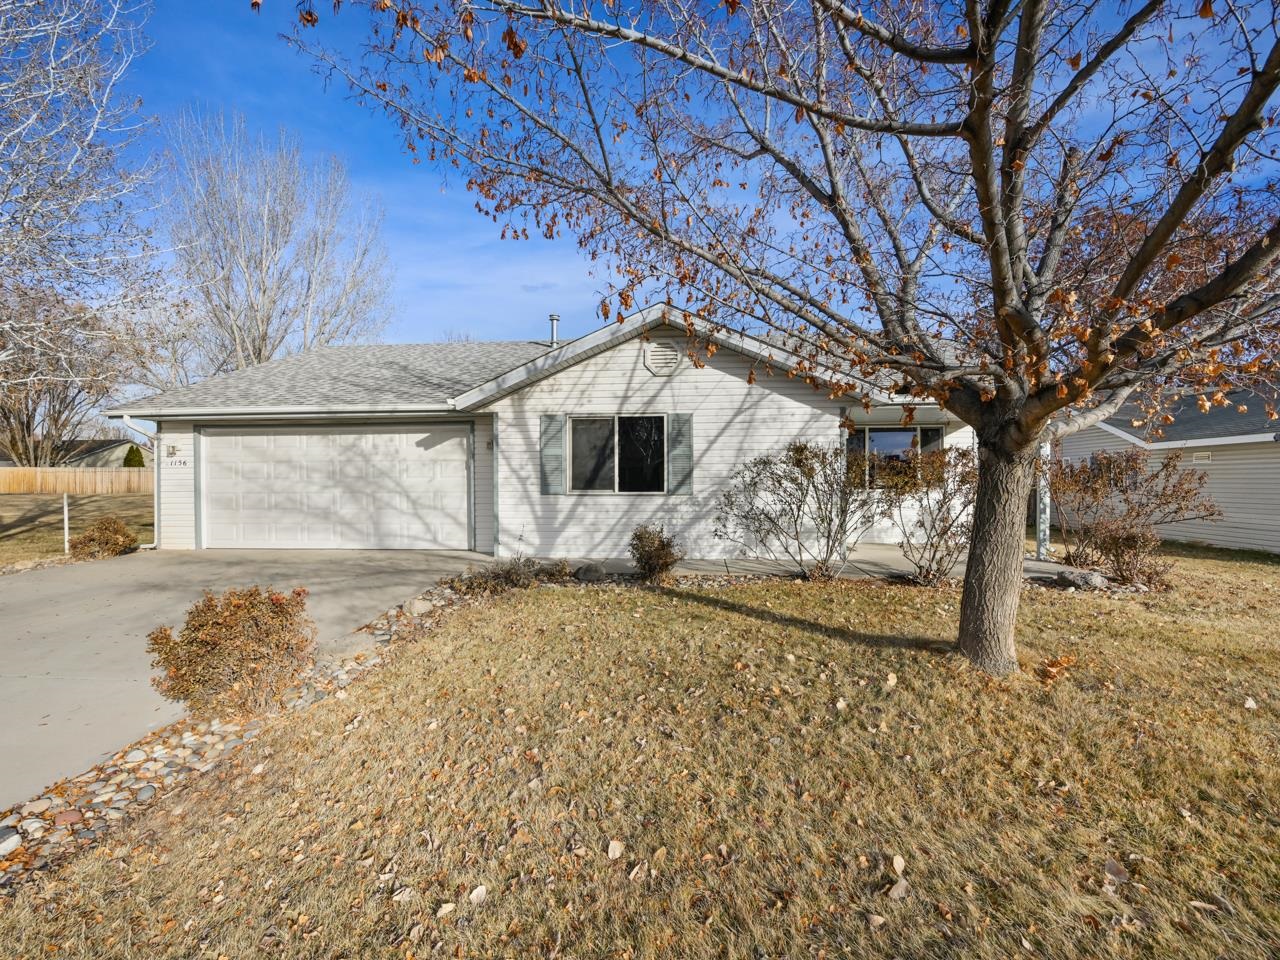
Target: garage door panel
x,y
395,487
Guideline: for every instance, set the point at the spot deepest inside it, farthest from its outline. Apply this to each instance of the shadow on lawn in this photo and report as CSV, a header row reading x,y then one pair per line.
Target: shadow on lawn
x,y
878,640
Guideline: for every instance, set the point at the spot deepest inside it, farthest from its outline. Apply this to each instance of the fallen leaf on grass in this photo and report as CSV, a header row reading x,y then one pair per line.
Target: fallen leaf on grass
x,y
899,890
899,864
1051,670
478,894
445,910
1250,703
615,849
1201,905
875,920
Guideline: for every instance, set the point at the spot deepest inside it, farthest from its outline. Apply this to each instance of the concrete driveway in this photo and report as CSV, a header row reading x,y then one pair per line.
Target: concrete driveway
x,y
74,672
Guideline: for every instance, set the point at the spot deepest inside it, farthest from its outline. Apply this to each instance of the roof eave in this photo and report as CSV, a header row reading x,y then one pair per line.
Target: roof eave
x,y
278,413
1222,440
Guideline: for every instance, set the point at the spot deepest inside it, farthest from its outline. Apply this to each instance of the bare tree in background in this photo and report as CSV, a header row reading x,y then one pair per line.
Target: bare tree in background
x,y
275,257
67,191
42,415
1029,212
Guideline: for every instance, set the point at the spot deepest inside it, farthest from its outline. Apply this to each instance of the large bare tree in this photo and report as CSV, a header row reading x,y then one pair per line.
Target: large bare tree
x,y
1029,212
43,414
67,184
275,256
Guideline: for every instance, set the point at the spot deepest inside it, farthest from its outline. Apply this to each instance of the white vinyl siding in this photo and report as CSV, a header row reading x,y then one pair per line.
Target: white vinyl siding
x,y
1242,479
732,421
177,452
482,484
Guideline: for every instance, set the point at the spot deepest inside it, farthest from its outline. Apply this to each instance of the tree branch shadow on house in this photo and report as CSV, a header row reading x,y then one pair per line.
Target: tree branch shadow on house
x,y
877,640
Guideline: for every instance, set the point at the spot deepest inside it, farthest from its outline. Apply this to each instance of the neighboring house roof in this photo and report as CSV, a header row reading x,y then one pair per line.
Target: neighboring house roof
x,y
77,450
373,378
1193,427
80,449
426,377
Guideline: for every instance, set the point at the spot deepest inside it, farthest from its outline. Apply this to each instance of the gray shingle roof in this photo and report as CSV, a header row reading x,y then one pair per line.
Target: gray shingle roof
x,y
1190,424
365,376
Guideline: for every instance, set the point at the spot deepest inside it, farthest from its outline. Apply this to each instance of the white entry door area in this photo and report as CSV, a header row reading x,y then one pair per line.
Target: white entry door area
x,y
398,487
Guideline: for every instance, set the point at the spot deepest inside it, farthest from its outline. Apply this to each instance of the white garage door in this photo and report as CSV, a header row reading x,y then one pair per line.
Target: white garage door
x,y
394,487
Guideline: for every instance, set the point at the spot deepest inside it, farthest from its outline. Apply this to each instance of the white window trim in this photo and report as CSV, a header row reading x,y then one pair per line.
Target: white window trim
x,y
615,492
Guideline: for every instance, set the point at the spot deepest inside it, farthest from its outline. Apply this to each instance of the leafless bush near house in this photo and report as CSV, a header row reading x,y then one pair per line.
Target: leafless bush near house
x,y
1110,506
106,537
929,499
515,573
653,552
238,652
808,505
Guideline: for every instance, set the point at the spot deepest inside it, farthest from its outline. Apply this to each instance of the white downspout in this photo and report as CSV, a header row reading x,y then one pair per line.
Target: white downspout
x,y
155,479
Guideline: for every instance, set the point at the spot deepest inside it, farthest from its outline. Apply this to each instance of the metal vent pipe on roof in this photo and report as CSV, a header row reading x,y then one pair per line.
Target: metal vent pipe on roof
x,y
555,329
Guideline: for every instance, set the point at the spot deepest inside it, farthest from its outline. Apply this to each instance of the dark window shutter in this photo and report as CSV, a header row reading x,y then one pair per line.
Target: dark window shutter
x,y
679,453
551,445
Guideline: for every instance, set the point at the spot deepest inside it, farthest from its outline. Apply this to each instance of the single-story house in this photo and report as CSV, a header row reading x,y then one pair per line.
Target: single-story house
x,y
93,453
1237,450
536,448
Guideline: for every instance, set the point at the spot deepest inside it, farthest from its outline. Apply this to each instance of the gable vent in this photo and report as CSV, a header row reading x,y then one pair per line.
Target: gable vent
x,y
661,357
1202,456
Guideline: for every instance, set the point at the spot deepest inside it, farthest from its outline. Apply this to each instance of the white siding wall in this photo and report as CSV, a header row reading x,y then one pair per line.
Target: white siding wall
x,y
482,485
177,486
733,421
1243,479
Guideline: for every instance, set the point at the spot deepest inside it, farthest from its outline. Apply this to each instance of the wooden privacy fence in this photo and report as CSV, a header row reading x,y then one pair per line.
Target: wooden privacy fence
x,y
82,481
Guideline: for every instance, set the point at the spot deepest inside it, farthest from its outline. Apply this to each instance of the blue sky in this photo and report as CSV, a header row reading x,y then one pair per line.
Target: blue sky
x,y
451,272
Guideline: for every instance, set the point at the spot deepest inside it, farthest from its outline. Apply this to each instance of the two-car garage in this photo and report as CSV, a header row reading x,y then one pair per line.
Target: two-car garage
x,y
390,486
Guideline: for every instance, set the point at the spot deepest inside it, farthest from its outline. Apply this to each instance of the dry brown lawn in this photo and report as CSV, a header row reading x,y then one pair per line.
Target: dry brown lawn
x,y
763,753
31,524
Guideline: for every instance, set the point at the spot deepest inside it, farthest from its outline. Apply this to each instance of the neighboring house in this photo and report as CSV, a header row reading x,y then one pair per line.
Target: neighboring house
x,y
1239,453
501,447
94,453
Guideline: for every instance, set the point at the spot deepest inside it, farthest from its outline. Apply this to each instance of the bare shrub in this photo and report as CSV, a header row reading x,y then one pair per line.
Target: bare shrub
x,y
653,552
236,653
808,505
1109,508
515,573
929,499
105,537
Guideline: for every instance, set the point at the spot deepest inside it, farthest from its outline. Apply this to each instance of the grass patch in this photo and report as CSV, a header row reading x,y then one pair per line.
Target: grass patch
x,y
763,753
31,524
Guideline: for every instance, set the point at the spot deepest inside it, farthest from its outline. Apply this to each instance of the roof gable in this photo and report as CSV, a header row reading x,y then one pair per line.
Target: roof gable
x,y
608,337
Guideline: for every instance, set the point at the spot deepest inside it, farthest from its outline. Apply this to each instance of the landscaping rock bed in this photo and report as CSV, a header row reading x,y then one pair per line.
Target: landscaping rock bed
x,y
77,812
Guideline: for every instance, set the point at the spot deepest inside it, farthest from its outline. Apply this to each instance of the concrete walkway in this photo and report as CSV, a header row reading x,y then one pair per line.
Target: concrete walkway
x,y
74,672
870,560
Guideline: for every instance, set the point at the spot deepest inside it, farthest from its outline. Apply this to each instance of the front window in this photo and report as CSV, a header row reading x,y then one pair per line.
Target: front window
x,y
618,454
892,444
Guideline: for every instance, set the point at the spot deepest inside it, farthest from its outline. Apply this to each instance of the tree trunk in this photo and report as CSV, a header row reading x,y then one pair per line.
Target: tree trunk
x,y
993,573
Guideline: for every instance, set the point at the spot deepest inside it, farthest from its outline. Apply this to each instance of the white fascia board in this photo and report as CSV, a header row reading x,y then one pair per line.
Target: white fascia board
x,y
609,336
1116,431
277,413
1214,441
1184,444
